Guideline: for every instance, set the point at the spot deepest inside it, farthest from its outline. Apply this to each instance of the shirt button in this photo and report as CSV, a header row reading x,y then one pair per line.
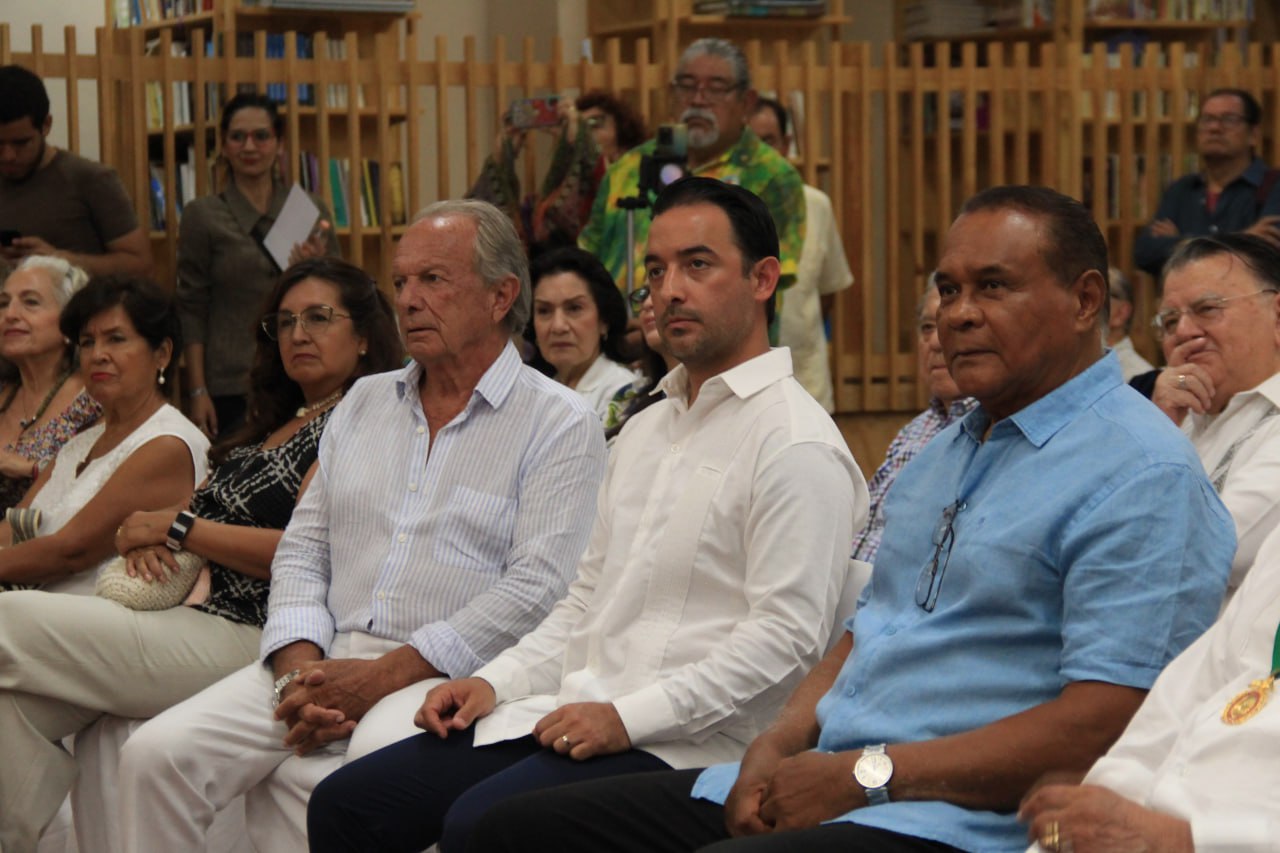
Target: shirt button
x,y
402,537
421,430
675,448
413,487
382,596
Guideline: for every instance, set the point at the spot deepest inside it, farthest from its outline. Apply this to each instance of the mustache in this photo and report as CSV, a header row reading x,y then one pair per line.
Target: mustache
x,y
675,312
698,112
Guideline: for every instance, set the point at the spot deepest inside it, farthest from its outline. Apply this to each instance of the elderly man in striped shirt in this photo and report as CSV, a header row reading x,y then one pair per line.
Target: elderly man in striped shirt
x,y
445,517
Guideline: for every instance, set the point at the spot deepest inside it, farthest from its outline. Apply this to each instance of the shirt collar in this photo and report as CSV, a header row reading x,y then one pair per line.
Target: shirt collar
x,y
1253,174
1041,420
959,406
743,380
494,386
1270,390
741,153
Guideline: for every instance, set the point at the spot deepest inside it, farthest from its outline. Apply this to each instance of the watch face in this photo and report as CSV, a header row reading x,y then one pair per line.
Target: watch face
x,y
873,770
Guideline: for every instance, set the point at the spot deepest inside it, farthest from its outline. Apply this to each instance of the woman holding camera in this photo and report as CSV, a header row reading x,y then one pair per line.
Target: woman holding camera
x,y
592,132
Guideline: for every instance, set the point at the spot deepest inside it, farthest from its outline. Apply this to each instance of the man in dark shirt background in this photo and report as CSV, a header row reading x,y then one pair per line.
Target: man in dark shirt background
x,y
1234,192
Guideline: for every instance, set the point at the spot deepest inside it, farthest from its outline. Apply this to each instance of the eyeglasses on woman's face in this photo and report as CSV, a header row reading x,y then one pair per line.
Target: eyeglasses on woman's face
x,y
315,321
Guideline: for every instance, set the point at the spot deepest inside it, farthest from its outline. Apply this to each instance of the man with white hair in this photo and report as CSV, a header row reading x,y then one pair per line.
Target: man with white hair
x,y
711,96
446,514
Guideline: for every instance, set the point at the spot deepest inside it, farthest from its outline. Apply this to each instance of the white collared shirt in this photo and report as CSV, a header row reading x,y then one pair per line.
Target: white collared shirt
x,y
1251,488
710,582
1178,757
456,543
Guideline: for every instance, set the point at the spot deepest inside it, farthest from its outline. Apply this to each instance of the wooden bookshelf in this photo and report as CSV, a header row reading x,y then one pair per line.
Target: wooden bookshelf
x,y
336,110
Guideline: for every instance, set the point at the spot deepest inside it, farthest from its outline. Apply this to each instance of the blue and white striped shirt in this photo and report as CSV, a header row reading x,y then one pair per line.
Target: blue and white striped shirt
x,y
457,547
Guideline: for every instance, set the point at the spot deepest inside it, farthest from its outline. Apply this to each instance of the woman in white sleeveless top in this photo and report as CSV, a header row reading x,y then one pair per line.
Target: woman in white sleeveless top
x,y
142,454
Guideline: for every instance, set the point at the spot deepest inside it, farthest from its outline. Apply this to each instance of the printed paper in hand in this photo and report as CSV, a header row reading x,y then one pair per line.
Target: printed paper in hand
x,y
298,216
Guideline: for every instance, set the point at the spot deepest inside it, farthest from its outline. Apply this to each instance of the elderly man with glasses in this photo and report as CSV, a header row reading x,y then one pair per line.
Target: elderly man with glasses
x,y
1219,325
1042,560
1235,192
711,96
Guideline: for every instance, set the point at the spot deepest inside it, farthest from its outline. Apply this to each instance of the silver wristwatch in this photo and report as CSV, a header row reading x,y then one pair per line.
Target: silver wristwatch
x,y
873,771
281,683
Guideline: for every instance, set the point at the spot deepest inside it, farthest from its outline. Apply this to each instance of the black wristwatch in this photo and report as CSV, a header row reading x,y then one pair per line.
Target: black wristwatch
x,y
179,529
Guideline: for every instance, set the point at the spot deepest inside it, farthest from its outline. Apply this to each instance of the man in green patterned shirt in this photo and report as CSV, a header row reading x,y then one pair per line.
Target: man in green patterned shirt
x,y
712,95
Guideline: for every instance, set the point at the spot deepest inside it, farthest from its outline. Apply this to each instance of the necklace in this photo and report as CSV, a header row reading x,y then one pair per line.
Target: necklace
x,y
333,398
1249,702
25,423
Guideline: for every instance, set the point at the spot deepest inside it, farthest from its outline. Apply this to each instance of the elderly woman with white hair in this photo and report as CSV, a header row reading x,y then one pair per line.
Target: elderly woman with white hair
x,y
42,399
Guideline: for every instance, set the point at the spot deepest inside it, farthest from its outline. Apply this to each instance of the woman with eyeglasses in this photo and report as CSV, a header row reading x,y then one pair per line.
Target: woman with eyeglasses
x,y
656,362
80,657
594,131
224,270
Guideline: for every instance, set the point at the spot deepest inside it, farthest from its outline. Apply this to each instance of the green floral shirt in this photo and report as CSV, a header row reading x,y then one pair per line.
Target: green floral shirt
x,y
749,163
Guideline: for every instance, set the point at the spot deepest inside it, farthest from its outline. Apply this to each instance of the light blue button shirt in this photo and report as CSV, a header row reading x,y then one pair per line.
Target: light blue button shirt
x,y
458,546
1088,545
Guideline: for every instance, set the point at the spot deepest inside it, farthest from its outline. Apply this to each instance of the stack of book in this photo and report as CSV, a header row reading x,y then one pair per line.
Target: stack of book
x,y
762,8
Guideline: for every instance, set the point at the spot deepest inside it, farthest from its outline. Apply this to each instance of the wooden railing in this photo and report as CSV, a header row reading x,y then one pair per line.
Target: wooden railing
x,y
896,138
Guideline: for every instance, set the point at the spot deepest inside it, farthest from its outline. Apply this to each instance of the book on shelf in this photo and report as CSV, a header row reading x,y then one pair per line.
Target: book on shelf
x,y
133,13
1141,11
367,206
763,8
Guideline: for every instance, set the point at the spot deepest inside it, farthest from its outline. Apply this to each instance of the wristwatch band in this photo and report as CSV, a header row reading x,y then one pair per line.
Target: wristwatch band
x,y
281,683
179,529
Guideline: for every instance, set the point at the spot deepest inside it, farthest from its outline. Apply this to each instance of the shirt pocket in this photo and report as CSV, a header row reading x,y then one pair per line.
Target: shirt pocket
x,y
475,530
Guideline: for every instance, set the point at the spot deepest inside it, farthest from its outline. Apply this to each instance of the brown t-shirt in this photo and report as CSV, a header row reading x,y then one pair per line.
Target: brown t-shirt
x,y
73,204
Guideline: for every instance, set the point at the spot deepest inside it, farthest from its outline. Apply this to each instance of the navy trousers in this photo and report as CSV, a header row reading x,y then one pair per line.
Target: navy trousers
x,y
411,794
654,813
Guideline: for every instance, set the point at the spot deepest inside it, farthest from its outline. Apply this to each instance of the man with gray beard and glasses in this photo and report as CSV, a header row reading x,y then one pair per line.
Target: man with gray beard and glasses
x,y
711,95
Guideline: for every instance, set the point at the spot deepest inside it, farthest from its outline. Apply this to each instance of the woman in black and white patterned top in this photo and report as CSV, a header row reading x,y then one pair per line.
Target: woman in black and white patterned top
x,y
326,325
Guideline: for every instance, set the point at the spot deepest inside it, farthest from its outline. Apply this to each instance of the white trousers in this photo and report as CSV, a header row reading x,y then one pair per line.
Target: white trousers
x,y
179,769
65,660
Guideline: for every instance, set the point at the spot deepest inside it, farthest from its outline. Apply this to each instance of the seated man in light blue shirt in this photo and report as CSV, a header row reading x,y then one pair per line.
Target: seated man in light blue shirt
x,y
1043,559
446,515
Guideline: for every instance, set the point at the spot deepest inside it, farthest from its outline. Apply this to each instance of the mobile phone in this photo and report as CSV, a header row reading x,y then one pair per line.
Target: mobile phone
x,y
8,235
530,113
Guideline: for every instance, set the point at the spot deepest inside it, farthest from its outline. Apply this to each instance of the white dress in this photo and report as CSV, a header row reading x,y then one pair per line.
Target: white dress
x,y
65,494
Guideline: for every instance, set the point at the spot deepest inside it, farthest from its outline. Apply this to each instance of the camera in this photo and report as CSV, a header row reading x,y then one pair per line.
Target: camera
x,y
668,162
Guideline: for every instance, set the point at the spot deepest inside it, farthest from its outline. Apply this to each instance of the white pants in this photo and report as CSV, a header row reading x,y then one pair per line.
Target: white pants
x,y
65,660
179,769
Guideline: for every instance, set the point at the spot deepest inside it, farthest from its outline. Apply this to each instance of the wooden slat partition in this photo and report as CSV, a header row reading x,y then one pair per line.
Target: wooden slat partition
x,y
899,136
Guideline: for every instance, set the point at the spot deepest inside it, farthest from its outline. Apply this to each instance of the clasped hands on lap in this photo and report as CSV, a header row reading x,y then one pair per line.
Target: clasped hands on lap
x,y
579,730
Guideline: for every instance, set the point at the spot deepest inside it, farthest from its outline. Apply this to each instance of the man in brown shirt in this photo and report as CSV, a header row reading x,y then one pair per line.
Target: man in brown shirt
x,y
53,202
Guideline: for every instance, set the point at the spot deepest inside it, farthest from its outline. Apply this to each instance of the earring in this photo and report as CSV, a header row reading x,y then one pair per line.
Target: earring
x,y
160,375
364,352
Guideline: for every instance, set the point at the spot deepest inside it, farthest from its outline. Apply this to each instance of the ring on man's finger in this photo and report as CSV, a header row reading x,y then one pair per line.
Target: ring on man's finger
x,y
565,740
1182,381
1049,839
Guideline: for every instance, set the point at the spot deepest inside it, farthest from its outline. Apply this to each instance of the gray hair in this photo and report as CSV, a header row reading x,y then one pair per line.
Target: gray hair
x,y
1119,287
65,277
930,286
724,49
498,251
